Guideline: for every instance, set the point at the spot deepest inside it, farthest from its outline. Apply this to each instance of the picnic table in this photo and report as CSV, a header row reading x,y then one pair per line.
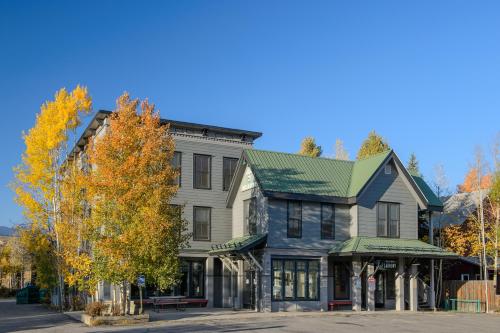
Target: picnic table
x,y
163,301
452,304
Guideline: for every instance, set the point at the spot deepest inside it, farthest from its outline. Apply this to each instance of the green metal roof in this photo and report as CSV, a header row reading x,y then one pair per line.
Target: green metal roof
x,y
431,197
383,246
238,244
291,173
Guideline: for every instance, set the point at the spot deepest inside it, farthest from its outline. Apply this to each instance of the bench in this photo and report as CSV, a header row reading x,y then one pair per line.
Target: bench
x,y
196,301
158,304
336,303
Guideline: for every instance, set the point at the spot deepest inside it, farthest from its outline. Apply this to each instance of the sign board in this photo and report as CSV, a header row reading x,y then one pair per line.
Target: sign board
x,y
371,283
141,281
386,264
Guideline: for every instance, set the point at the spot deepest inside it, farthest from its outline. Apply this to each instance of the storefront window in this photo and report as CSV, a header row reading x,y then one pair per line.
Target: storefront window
x,y
313,279
193,278
289,278
301,279
295,279
277,278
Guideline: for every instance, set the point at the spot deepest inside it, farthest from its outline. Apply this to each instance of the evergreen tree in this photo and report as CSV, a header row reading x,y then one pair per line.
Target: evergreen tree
x,y
412,166
372,145
308,147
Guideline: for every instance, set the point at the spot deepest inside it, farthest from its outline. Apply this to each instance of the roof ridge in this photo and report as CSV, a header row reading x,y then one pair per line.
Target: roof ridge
x,y
298,155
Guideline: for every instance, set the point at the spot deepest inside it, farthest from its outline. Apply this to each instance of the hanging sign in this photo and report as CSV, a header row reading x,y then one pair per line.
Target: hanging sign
x,y
386,264
371,283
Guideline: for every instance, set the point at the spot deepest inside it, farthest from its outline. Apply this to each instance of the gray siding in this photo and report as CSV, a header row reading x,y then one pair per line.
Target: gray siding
x,y
391,188
221,227
246,192
311,226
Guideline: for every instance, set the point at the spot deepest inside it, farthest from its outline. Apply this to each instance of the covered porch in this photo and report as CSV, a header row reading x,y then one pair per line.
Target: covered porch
x,y
379,272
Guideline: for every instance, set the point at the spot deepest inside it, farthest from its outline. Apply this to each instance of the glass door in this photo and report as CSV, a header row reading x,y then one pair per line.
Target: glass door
x,y
379,290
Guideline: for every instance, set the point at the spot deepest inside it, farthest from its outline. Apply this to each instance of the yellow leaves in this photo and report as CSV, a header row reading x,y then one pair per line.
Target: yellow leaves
x,y
37,184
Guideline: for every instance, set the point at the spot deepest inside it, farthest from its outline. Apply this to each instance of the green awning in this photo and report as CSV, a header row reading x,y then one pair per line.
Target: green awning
x,y
381,246
238,245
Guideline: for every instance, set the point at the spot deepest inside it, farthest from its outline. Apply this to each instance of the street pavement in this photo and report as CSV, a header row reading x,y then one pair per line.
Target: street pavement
x,y
37,318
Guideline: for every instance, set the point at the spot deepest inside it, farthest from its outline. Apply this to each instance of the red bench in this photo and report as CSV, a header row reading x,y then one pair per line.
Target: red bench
x,y
196,301
336,303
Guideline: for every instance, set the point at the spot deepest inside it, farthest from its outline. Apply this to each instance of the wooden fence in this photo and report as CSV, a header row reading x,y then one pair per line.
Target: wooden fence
x,y
471,290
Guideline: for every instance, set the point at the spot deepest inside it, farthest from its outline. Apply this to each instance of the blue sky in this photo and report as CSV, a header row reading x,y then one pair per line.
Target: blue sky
x,y
424,74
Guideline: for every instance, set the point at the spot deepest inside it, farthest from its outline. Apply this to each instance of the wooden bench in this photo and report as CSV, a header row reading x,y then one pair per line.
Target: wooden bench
x,y
196,301
158,304
336,303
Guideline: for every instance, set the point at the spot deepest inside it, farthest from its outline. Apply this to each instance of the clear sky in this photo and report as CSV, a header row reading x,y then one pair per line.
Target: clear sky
x,y
424,74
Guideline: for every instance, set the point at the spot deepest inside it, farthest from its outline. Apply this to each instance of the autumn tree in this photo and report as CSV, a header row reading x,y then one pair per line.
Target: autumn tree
x,y
471,182
135,229
340,152
308,147
372,145
37,184
412,166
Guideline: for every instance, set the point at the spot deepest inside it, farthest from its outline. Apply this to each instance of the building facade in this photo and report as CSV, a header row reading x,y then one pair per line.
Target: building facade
x,y
280,232
318,233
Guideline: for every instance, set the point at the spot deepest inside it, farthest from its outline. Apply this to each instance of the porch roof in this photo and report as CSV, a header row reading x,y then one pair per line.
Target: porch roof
x,y
382,246
238,244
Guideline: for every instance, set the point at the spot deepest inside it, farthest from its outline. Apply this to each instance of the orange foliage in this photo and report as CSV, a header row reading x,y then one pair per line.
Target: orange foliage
x,y
470,183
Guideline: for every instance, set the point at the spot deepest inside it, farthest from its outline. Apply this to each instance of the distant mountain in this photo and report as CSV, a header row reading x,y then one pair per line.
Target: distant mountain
x,y
6,231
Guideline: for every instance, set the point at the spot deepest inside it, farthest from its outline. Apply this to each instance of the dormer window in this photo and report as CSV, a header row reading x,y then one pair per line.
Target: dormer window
x,y
388,169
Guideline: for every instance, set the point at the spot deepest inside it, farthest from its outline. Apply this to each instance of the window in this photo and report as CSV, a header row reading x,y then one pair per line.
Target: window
x,y
228,170
177,165
388,219
388,169
250,216
465,277
294,219
192,280
201,223
202,171
341,280
327,221
106,290
295,279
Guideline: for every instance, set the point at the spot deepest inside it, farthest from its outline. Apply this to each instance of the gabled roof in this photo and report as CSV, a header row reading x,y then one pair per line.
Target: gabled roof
x,y
383,246
429,194
321,178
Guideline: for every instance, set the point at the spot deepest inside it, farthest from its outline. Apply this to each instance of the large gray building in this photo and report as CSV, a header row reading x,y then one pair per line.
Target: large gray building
x,y
279,232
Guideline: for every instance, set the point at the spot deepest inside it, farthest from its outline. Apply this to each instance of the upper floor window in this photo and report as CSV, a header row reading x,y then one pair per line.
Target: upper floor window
x,y
202,171
250,216
327,221
201,223
176,164
228,169
294,220
388,219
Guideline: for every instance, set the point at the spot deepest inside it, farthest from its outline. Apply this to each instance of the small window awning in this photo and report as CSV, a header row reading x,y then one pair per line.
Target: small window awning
x,y
390,247
238,245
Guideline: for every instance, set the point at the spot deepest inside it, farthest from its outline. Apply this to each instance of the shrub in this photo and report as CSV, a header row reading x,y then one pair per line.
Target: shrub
x,y
95,309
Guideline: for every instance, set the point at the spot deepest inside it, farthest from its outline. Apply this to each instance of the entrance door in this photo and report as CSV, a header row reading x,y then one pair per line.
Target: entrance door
x,y
218,276
249,290
380,290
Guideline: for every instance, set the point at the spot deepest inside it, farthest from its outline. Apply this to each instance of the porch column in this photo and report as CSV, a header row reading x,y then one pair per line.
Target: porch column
x,y
432,296
323,285
370,290
240,284
356,284
266,283
414,288
400,285
209,282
